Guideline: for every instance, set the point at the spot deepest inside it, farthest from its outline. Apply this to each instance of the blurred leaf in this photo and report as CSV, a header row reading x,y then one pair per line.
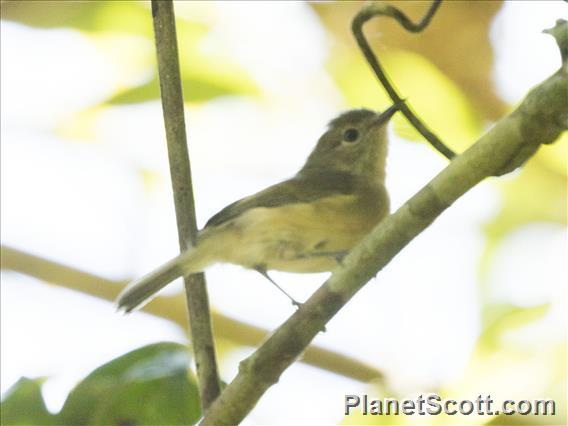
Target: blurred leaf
x,y
438,101
117,16
195,89
151,385
356,418
496,373
555,156
521,420
456,42
537,194
205,75
501,318
24,405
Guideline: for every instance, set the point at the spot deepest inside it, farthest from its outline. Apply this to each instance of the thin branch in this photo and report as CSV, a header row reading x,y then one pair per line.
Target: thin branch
x,y
560,34
381,9
172,104
540,119
173,308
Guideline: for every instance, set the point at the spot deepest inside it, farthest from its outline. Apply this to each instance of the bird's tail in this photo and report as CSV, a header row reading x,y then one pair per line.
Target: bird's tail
x,y
140,291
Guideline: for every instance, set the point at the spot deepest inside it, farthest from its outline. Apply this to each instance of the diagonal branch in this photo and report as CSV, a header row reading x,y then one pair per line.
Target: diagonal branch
x,y
173,308
540,119
382,9
195,288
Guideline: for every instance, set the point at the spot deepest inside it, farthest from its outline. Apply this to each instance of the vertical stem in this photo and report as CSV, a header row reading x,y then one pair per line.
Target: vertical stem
x,y
173,109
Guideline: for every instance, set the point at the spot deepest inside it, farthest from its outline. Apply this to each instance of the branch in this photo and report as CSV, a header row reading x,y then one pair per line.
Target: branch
x,y
540,119
195,288
173,308
382,9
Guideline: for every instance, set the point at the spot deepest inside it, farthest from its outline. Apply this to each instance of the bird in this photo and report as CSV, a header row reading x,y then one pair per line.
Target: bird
x,y
304,224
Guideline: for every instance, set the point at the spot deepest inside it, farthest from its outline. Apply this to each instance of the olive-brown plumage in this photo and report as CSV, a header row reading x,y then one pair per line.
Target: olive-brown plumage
x,y
303,224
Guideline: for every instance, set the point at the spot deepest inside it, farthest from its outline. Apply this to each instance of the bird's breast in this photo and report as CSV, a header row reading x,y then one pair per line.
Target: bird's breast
x,y
300,237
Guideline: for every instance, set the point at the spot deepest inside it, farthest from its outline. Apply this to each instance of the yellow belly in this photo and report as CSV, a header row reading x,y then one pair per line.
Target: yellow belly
x,y
300,237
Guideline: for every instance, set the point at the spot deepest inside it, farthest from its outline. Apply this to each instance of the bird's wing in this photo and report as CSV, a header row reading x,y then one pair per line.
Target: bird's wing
x,y
303,188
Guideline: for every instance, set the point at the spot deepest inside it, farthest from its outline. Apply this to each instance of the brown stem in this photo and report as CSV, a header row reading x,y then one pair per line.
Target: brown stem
x,y
172,104
381,9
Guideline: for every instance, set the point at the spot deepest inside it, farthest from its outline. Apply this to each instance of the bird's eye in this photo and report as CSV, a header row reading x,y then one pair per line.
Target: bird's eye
x,y
351,135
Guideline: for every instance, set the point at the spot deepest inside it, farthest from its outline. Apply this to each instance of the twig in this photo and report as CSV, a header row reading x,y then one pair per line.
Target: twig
x,y
540,119
560,34
195,288
173,308
381,9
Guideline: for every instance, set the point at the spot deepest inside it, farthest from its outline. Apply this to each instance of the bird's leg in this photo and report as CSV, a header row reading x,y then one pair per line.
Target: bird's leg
x,y
262,271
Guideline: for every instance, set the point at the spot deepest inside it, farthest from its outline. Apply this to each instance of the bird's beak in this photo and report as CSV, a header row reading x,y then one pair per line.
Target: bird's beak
x,y
387,114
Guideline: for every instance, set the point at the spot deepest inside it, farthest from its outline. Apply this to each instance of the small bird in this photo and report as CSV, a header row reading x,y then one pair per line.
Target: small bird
x,y
303,224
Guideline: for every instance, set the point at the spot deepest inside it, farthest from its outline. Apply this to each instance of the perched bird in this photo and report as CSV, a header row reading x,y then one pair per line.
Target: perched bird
x,y
304,224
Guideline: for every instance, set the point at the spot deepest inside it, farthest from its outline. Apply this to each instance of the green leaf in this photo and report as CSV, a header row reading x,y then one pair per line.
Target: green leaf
x,y
91,16
538,194
195,89
24,405
205,75
500,318
151,385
